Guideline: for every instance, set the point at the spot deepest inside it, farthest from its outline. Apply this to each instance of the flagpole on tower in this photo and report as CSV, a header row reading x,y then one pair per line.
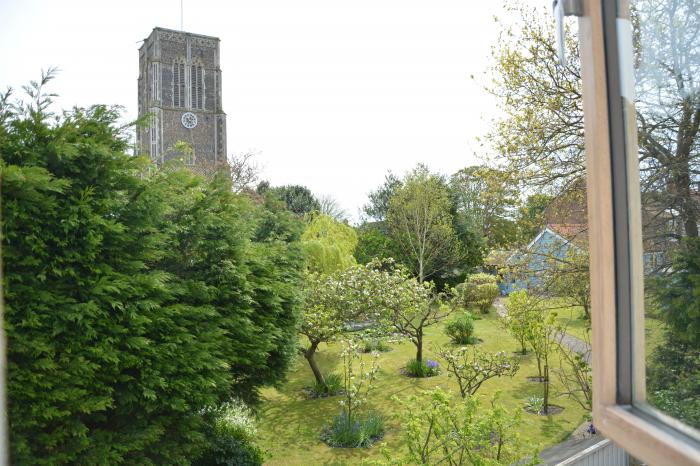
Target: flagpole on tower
x,y
181,17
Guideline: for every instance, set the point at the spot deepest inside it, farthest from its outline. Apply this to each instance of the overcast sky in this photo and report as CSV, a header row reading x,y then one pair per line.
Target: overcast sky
x,y
333,94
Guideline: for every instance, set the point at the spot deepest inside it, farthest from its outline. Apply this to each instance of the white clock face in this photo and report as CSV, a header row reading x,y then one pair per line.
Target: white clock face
x,y
189,120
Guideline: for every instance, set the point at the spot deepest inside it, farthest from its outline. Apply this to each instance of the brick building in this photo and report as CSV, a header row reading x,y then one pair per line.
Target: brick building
x,y
179,85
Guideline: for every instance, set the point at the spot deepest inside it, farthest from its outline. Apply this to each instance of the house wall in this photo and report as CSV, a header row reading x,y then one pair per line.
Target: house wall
x,y
535,261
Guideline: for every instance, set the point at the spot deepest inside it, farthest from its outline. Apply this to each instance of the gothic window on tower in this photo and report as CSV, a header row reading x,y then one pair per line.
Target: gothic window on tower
x,y
197,86
154,138
189,157
178,84
155,81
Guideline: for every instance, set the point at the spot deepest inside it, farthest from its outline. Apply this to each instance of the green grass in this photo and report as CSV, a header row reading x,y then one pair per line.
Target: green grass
x,y
571,317
290,424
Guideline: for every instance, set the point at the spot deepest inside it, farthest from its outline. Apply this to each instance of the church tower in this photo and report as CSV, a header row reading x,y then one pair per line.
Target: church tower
x,y
180,87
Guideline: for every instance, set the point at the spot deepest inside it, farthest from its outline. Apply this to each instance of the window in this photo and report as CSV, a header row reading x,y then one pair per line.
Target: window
x,y
155,81
189,157
197,87
153,130
178,84
640,70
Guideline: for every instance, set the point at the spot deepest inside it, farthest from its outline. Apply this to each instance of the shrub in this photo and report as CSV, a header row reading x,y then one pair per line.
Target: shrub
x,y
437,429
353,433
416,368
231,437
333,385
370,345
520,313
480,290
461,329
235,420
231,451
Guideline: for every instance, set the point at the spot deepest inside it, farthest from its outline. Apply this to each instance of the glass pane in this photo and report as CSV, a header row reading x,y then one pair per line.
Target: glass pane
x,y
660,72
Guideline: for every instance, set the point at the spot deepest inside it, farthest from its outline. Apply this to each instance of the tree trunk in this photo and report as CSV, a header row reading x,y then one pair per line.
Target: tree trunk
x,y
309,355
419,346
545,407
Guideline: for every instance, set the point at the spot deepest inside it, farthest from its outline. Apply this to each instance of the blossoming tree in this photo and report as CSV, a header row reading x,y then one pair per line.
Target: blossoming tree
x,y
472,368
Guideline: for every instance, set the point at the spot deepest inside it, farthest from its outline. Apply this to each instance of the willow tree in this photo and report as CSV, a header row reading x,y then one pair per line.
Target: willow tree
x,y
329,244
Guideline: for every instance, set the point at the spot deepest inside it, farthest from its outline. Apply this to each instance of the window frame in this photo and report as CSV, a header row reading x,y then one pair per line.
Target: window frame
x,y
197,91
155,82
179,84
615,255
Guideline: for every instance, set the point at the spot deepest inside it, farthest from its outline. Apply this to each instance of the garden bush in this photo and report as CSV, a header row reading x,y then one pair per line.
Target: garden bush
x,y
416,368
360,431
461,329
480,290
230,451
231,437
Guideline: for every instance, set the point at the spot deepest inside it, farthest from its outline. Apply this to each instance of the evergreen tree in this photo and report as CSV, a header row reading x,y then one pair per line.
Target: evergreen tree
x,y
132,300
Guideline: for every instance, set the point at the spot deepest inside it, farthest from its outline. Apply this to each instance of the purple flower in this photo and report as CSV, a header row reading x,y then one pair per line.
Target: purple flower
x,y
432,364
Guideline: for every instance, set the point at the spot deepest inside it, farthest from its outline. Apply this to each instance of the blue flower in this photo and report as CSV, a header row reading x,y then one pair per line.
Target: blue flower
x,y
432,364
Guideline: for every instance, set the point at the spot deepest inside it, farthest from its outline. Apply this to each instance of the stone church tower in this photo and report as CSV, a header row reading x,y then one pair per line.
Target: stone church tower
x,y
180,86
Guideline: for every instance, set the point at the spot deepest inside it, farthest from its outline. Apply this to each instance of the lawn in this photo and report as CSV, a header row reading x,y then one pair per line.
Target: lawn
x,y
290,424
571,317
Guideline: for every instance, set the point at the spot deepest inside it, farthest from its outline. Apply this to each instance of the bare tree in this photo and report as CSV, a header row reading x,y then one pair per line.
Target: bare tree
x,y
245,172
574,373
331,207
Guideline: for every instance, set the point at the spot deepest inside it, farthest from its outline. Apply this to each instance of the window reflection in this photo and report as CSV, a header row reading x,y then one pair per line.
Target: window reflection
x,y
666,46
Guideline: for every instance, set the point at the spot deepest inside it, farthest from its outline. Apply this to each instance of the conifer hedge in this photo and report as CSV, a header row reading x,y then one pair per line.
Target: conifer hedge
x,y
134,297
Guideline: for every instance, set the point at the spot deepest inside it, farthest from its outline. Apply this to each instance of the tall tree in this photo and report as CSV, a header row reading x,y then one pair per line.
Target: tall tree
x,y
540,135
298,199
378,204
373,242
208,228
420,222
134,298
487,197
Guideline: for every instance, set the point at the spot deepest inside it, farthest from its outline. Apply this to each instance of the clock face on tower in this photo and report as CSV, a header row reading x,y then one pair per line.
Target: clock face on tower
x,y
189,120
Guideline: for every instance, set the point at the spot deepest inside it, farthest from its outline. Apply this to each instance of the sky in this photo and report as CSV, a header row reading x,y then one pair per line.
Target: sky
x,y
330,94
